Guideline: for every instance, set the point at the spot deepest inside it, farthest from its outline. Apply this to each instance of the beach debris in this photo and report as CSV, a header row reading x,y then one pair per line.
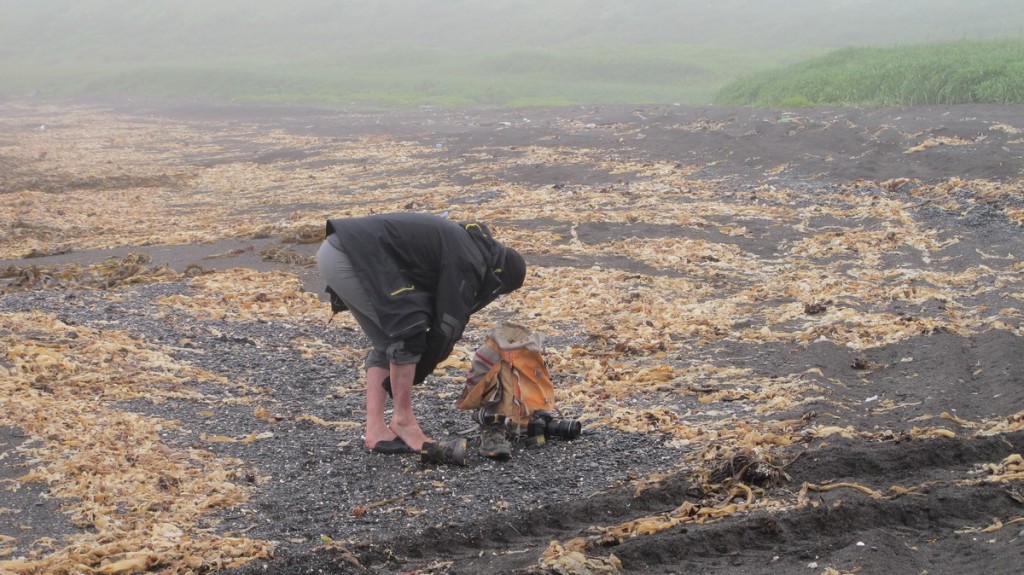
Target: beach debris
x,y
339,548
570,559
230,253
748,467
113,484
283,255
655,303
131,269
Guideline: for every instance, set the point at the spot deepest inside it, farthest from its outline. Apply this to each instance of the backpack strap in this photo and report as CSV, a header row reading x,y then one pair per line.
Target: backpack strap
x,y
337,306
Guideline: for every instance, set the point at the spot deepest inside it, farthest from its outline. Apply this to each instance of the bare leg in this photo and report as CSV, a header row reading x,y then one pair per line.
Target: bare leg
x,y
403,420
376,400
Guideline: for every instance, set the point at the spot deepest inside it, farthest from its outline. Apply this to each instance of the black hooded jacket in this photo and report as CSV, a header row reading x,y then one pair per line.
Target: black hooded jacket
x,y
425,275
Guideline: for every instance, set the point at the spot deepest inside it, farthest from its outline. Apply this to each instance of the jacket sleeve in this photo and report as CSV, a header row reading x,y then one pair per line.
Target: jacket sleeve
x,y
454,300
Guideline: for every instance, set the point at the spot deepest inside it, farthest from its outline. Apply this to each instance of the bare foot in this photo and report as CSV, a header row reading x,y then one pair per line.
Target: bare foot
x,y
382,433
412,435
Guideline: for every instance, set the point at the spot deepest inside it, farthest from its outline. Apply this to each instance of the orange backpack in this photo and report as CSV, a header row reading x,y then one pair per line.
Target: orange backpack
x,y
509,379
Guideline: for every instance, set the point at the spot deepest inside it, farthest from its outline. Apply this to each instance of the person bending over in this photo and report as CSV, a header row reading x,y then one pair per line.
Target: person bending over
x,y
411,281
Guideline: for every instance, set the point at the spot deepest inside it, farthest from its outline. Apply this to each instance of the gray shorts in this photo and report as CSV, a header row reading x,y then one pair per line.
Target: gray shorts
x,y
337,269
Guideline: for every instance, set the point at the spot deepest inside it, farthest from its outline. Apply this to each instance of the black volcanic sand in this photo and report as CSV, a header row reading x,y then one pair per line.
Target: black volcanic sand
x,y
494,517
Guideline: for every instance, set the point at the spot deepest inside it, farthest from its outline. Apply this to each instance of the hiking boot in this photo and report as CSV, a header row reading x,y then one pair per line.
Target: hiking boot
x,y
493,442
449,453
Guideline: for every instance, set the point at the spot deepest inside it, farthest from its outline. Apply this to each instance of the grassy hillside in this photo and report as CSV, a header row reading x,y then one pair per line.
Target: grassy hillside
x,y
506,52
941,73
616,74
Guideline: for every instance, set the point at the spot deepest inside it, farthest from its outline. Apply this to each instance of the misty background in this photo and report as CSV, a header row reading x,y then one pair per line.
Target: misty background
x,y
500,52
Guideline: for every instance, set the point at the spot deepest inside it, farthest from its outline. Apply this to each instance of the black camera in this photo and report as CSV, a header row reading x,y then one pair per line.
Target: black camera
x,y
545,424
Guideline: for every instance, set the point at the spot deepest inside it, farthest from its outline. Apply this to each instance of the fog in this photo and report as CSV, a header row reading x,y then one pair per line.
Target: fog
x,y
452,51
317,30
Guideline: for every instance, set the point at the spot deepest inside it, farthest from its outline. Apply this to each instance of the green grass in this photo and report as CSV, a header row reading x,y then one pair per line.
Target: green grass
x,y
929,74
411,76
501,52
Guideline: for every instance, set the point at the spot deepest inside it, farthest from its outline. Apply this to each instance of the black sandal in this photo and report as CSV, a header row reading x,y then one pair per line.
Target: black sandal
x,y
392,447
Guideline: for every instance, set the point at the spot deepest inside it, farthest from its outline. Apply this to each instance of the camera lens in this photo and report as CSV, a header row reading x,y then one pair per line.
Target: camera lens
x,y
564,428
